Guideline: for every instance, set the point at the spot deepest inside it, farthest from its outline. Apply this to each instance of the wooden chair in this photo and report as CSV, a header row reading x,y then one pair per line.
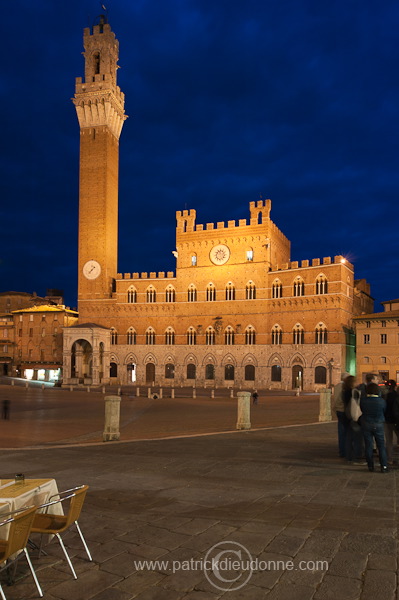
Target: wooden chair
x,y
12,548
54,524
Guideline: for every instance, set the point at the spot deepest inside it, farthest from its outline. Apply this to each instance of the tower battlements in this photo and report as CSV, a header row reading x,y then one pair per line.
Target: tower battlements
x,y
259,211
186,220
259,215
146,275
314,262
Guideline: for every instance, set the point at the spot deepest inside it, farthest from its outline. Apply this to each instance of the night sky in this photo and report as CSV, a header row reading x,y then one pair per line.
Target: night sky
x,y
296,101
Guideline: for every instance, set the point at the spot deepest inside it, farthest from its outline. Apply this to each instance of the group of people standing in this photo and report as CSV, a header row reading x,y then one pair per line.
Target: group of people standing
x,y
377,423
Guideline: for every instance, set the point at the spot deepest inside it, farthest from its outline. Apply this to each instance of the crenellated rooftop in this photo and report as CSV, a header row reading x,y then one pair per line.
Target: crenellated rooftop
x,y
146,275
314,262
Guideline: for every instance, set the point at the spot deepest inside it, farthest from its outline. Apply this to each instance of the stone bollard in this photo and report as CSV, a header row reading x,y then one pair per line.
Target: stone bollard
x,y
232,393
212,393
112,415
137,391
88,388
103,390
194,392
244,410
12,382
27,384
149,392
160,394
325,405
42,386
71,388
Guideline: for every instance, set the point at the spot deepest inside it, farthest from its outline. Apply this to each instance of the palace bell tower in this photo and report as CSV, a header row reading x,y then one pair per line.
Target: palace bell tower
x,y
99,106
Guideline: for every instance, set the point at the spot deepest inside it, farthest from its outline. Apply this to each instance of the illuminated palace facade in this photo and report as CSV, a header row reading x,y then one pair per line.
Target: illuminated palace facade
x,y
236,312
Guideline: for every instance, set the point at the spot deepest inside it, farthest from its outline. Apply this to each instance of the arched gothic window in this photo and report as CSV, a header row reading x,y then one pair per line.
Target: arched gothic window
x,y
250,336
151,294
250,291
229,336
170,294
150,337
230,291
114,337
299,287
113,369
277,335
321,334
298,335
192,293
169,337
210,336
131,336
132,295
321,285
211,293
277,289
191,336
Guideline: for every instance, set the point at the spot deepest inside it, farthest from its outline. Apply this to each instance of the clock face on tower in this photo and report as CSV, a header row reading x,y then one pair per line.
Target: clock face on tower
x,y
91,269
219,254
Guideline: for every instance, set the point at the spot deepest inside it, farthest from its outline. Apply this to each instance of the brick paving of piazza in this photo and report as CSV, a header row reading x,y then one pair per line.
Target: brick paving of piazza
x,y
278,490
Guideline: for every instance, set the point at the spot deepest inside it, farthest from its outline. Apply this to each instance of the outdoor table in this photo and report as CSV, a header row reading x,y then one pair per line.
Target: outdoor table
x,y
27,493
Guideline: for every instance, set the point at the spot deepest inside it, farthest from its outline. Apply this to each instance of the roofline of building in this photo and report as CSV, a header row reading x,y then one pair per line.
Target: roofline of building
x,y
381,316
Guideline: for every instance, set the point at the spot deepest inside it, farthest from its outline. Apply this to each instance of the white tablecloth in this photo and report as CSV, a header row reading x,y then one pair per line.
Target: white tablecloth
x,y
32,491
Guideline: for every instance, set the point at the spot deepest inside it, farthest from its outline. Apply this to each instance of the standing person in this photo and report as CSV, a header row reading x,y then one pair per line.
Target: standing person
x,y
390,418
372,422
368,378
255,397
353,432
6,409
340,412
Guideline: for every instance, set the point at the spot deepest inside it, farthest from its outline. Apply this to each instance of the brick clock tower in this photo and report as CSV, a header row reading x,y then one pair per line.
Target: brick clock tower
x,y
99,106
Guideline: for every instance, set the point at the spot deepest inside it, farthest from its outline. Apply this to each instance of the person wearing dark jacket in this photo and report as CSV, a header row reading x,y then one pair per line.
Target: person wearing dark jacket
x,y
372,422
390,418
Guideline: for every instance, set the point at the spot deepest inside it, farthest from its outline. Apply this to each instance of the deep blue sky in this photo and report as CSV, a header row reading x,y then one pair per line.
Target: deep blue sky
x,y
295,100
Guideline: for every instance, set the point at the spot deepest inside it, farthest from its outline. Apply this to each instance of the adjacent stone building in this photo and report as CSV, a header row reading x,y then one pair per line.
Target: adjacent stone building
x,y
377,342
9,302
39,341
237,310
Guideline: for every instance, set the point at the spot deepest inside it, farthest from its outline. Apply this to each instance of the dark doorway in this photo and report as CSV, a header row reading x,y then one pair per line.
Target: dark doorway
x,y
150,373
297,376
